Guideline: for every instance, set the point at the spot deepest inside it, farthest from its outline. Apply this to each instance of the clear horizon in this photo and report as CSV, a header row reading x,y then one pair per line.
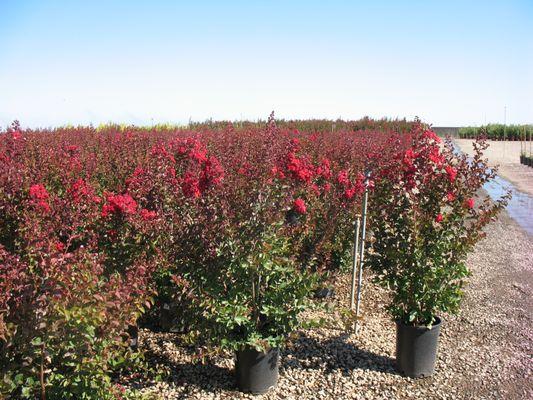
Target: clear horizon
x,y
451,64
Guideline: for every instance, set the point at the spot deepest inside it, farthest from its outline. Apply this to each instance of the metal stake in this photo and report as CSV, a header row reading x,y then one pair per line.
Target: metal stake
x,y
354,266
530,142
361,253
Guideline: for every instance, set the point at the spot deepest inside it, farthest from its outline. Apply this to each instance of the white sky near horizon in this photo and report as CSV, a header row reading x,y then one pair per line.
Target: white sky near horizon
x,y
451,63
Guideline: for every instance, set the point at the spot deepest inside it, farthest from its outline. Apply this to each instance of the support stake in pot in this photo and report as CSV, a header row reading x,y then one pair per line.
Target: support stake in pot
x,y
361,251
355,258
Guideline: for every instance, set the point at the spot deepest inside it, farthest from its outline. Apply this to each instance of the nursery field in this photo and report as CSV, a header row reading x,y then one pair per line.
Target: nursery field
x,y
173,262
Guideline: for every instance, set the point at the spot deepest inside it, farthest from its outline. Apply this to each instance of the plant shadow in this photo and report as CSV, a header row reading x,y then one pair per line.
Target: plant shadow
x,y
334,354
191,376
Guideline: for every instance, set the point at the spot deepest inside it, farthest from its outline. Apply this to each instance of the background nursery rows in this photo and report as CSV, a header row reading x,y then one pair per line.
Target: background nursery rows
x,y
100,227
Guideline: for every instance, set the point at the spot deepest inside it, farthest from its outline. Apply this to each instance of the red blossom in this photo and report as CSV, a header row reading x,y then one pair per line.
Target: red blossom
x,y
349,193
147,215
79,189
277,172
39,197
438,218
452,173
324,169
44,206
299,168
295,142
342,178
212,173
137,173
162,152
432,135
198,155
469,203
435,156
119,204
190,186
38,192
450,196
299,206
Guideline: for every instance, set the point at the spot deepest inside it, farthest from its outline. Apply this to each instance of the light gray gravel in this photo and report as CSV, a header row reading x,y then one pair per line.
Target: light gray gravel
x,y
484,353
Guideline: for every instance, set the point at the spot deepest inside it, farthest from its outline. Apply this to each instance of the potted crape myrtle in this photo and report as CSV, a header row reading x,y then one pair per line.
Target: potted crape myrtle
x,y
252,301
428,213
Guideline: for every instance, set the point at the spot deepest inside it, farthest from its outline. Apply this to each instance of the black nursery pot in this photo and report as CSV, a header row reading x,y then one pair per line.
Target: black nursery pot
x,y
416,349
257,371
133,333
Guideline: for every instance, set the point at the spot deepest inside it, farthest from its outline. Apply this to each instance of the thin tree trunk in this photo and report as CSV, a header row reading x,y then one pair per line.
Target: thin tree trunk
x,y
43,387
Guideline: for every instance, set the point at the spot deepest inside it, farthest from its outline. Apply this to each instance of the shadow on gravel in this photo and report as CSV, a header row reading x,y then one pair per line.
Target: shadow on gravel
x,y
329,355
333,354
192,376
207,377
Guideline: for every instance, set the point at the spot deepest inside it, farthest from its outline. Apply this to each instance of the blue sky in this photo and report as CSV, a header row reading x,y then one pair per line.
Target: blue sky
x,y
448,62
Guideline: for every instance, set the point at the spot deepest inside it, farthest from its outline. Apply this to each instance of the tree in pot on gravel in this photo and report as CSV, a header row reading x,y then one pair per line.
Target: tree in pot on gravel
x,y
251,301
428,213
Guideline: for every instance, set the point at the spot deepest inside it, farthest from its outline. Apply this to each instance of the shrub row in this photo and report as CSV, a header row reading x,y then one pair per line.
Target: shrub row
x,y
241,222
497,132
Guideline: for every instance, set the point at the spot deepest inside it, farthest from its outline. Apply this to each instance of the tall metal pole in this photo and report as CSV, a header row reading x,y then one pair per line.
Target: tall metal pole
x,y
530,130
361,253
504,120
354,265
521,144
504,128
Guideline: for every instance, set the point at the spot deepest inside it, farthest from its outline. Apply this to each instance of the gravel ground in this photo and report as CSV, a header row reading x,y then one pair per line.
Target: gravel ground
x,y
507,156
484,353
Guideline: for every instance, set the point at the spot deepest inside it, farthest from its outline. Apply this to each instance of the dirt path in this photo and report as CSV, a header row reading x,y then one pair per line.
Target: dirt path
x,y
491,341
507,156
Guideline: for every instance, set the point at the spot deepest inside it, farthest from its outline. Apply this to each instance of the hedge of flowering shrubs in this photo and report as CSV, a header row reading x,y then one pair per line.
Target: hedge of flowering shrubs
x,y
97,224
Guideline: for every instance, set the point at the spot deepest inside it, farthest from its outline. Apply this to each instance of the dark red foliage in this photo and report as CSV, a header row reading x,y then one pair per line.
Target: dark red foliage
x,y
88,215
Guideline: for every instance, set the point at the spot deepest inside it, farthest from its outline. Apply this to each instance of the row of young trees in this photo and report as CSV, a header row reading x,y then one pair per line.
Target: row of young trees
x,y
497,132
98,224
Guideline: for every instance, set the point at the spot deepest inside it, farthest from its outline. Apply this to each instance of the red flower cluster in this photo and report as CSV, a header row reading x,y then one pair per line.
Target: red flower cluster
x,y
39,192
39,197
452,173
119,204
299,206
429,134
190,186
299,168
80,190
324,169
148,215
212,173
342,178
436,157
450,196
